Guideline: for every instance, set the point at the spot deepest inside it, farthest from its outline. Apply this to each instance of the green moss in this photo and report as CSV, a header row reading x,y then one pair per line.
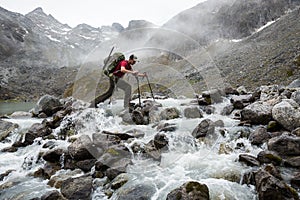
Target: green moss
x,y
112,152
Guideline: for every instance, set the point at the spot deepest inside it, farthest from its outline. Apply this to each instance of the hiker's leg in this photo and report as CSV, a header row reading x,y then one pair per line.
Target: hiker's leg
x,y
106,95
124,85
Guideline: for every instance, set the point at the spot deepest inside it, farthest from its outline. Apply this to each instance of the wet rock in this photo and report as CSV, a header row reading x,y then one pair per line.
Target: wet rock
x,y
273,126
241,101
169,113
204,128
57,179
208,109
227,110
295,181
50,169
190,190
214,96
81,148
230,90
192,112
35,131
136,133
285,145
9,149
53,195
151,151
6,128
296,132
270,187
292,162
259,136
119,181
77,188
287,113
86,165
273,171
48,105
141,191
166,127
122,136
269,92
257,113
160,141
138,117
53,155
117,168
296,96
269,157
3,175
248,160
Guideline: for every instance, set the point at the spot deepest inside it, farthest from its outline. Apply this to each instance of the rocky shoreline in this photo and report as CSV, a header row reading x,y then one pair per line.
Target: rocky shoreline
x,y
101,161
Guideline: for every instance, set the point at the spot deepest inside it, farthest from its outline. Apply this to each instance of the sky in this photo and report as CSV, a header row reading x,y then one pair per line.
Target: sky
x,y
99,12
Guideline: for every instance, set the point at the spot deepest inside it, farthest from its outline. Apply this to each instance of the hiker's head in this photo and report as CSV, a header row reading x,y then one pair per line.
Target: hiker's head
x,y
132,59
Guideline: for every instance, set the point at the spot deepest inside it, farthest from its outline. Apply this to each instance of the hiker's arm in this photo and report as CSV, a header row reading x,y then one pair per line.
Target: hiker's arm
x,y
124,70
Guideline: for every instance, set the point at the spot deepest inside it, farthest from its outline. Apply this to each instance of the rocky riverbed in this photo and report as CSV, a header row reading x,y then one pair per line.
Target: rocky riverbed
x,y
231,144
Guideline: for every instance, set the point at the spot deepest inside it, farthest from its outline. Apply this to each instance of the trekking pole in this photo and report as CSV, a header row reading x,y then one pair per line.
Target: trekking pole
x,y
150,87
139,92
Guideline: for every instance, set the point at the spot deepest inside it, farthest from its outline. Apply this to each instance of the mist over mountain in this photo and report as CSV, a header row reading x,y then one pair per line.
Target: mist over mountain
x,y
250,42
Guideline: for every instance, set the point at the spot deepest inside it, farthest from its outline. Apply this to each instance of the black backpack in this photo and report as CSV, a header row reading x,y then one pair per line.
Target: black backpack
x,y
112,62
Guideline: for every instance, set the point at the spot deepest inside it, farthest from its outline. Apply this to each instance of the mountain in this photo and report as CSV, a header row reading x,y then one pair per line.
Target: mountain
x,y
36,48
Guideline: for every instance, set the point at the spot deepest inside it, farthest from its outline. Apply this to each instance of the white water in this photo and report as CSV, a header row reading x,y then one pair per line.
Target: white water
x,y
186,159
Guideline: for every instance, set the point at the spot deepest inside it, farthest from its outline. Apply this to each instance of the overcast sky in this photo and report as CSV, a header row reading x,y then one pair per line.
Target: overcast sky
x,y
99,12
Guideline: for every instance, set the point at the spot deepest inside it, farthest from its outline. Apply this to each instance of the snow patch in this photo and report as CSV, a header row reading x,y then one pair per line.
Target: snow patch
x,y
53,39
265,26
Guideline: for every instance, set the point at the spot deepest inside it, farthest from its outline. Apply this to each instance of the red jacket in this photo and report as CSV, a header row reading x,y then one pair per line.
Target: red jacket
x,y
123,63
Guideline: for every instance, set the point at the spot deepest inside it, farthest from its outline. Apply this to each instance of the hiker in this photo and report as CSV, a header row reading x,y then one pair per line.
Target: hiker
x,y
115,80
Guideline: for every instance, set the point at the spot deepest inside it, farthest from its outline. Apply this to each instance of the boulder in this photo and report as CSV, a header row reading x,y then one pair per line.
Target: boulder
x,y
190,190
296,132
52,195
53,155
287,114
119,181
285,145
296,96
240,101
6,128
248,160
47,104
269,157
293,162
86,165
213,96
295,181
35,131
77,188
227,110
138,117
294,84
204,128
257,113
160,141
169,113
141,192
81,148
259,136
270,187
192,112
166,127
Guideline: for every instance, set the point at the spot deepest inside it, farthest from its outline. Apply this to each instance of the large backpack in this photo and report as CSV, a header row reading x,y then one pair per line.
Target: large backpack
x,y
112,62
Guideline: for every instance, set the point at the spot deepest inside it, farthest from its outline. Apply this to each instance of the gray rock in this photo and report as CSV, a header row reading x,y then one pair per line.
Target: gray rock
x,y
269,157
170,113
214,95
35,131
81,148
192,112
53,155
293,162
285,145
296,96
204,128
249,160
241,101
296,132
295,181
190,190
138,118
270,187
86,165
241,90
227,110
119,181
160,141
77,188
53,195
48,105
141,192
287,113
6,128
257,113
294,84
259,136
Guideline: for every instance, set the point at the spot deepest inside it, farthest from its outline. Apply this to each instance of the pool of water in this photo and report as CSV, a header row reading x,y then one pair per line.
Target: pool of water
x,y
10,107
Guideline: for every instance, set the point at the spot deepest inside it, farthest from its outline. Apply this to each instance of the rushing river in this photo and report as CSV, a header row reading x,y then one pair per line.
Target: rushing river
x,y
186,159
